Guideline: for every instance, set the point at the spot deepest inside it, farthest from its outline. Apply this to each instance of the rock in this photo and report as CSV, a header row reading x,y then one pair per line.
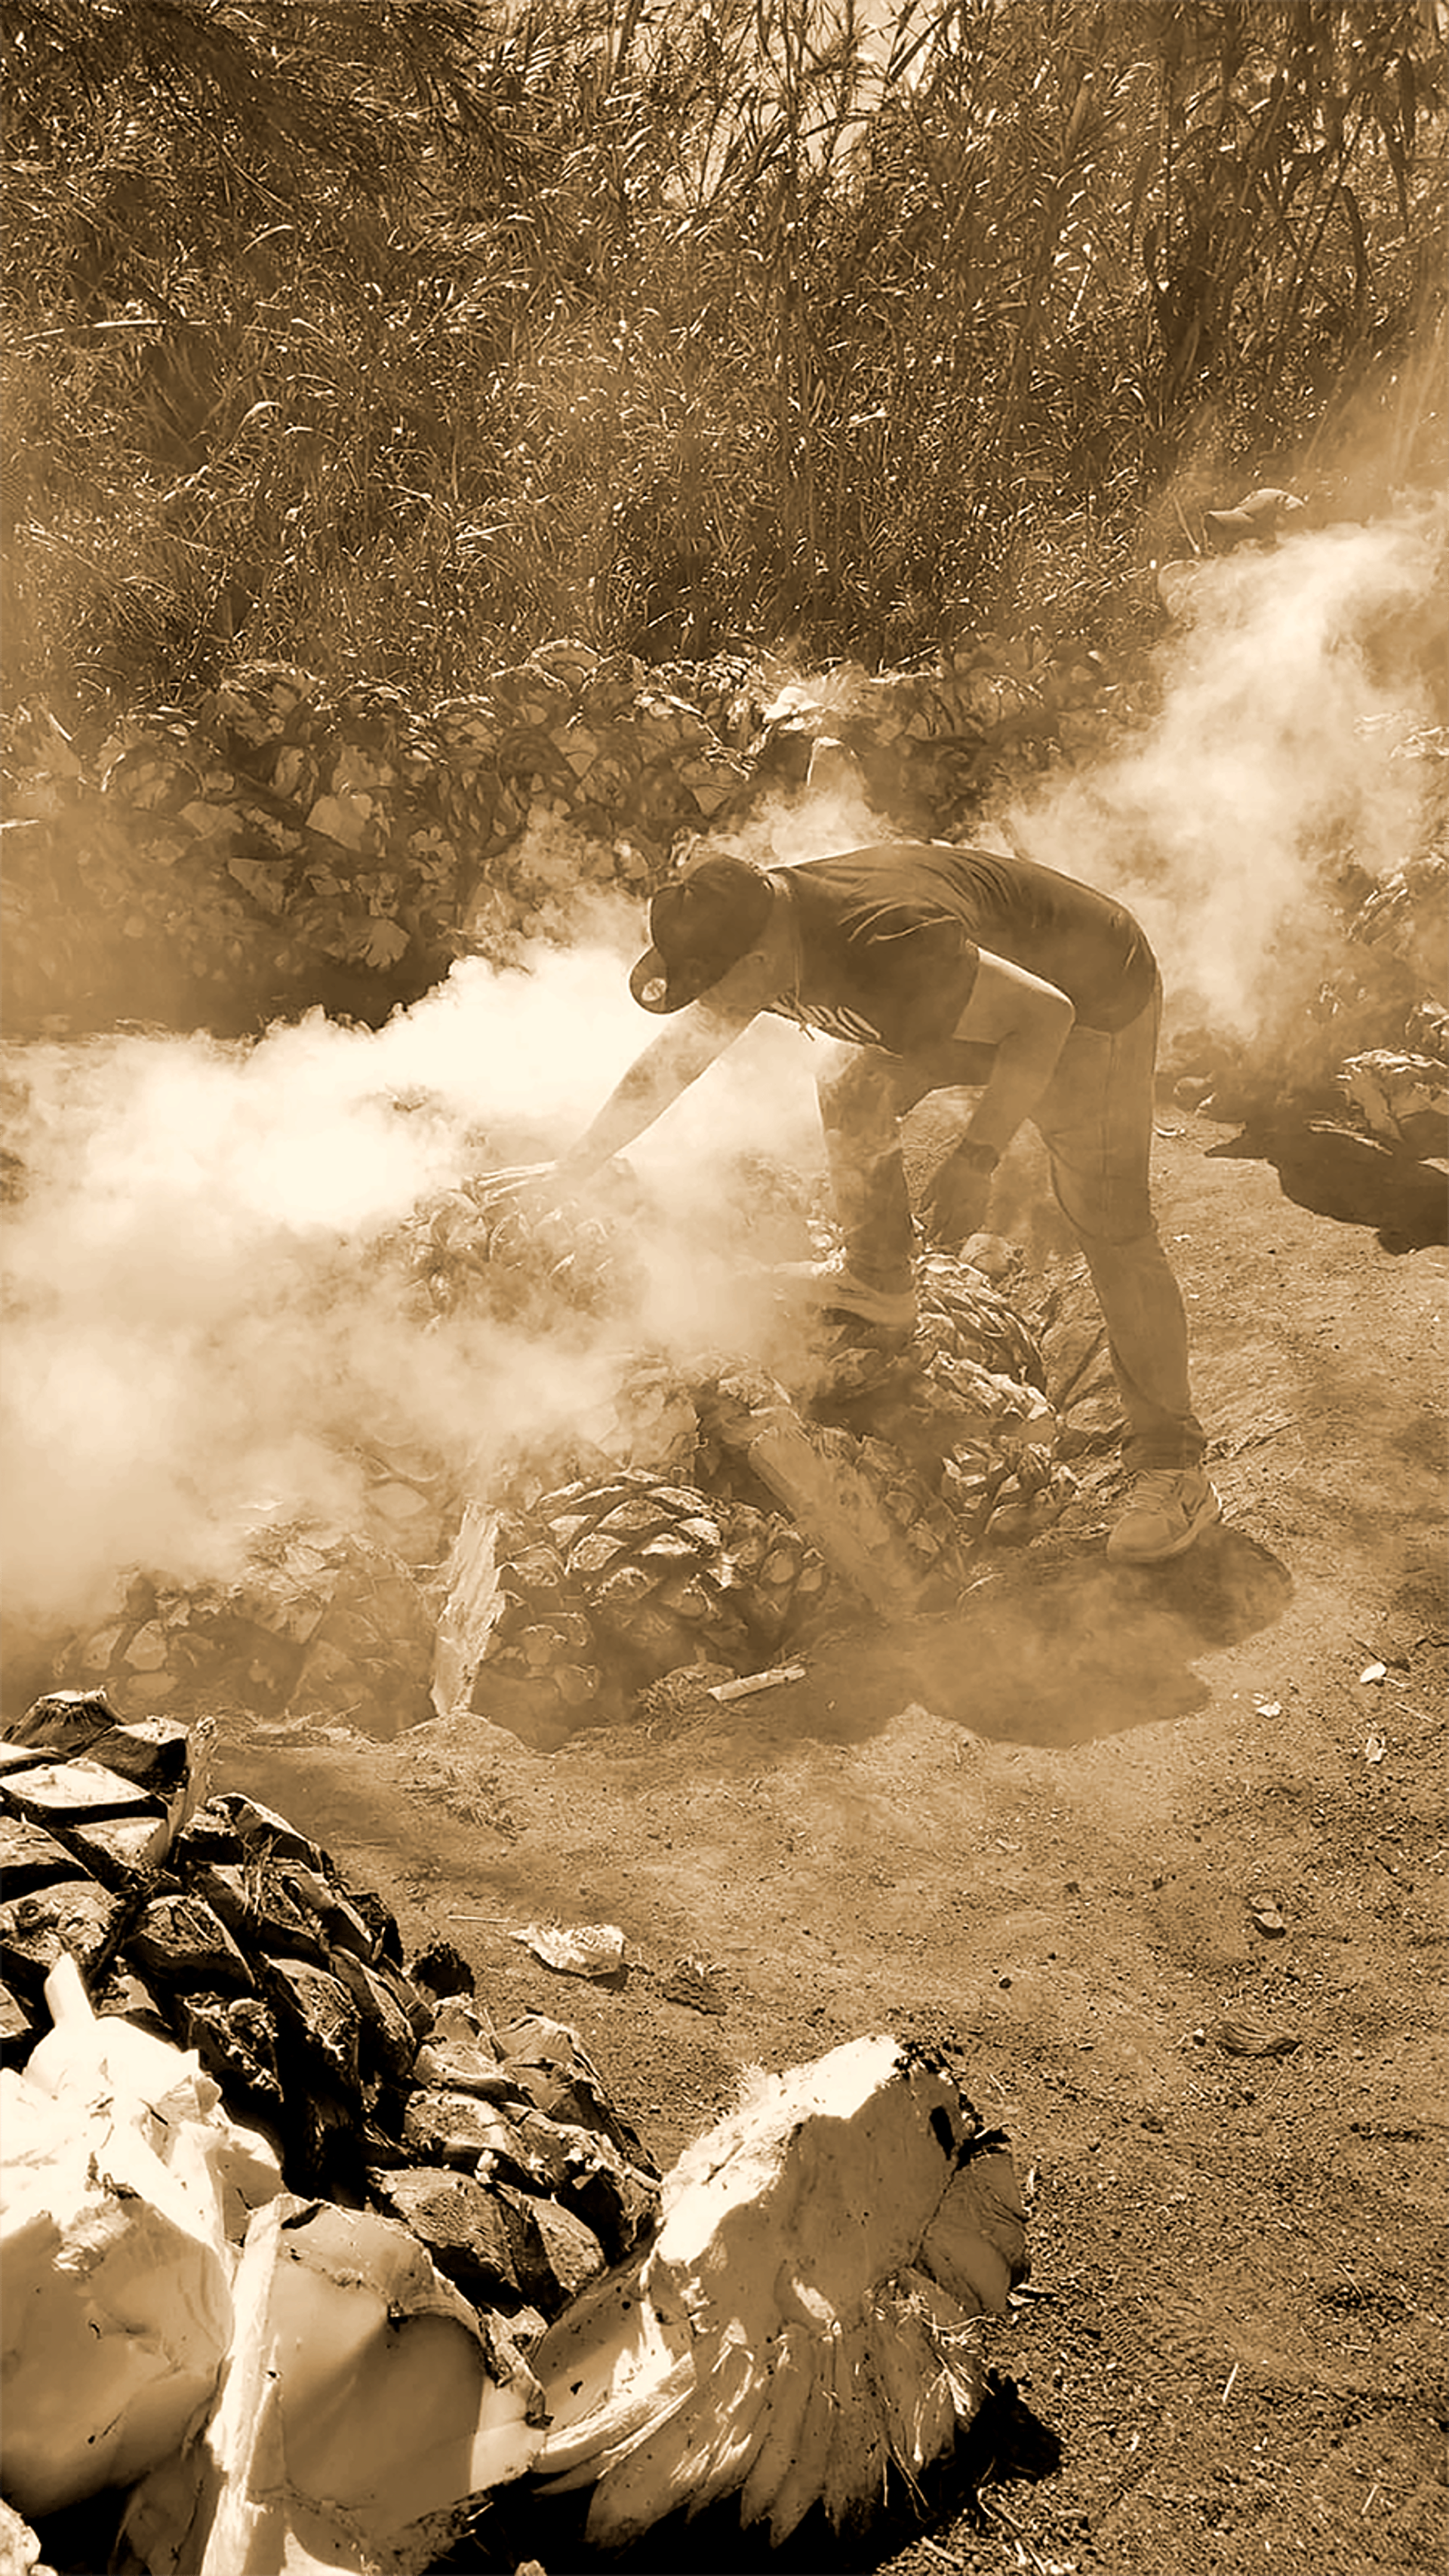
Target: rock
x,y
235,2038
487,2241
179,1942
70,1916
458,2130
28,1855
19,2545
19,2029
571,2254
319,2024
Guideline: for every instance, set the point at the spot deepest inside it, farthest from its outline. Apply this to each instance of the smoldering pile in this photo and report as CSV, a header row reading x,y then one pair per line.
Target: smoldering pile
x,y
306,2259
705,1512
1401,1092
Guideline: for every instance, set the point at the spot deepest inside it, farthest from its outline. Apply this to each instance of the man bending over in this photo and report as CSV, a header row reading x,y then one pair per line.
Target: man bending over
x,y
945,969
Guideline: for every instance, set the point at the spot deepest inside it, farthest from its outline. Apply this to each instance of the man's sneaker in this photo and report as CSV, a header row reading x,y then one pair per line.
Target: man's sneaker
x,y
1170,1507
833,1283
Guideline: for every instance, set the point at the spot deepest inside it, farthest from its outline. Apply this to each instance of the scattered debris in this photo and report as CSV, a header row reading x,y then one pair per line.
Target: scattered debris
x,y
1375,1748
692,1981
1374,1672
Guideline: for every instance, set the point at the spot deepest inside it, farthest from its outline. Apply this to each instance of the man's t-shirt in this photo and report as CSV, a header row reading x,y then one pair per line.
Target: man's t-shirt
x,y
890,940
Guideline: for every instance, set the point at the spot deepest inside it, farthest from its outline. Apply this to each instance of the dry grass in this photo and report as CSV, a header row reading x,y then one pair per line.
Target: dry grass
x,y
421,336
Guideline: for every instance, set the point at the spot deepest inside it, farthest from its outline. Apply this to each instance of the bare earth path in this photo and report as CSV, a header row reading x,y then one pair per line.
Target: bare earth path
x,y
1065,1830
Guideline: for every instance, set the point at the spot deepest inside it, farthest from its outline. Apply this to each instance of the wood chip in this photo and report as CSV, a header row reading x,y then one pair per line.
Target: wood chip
x,y
1248,2039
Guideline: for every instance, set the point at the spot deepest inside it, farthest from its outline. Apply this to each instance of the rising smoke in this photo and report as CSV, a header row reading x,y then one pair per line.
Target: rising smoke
x,y
1283,693
194,1333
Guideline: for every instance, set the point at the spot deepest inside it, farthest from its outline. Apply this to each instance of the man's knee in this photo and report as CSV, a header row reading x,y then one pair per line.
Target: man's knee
x,y
858,1101
1113,1211
1137,1245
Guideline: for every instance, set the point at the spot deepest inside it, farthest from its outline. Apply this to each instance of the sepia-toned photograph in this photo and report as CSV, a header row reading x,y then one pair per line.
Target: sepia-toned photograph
x,y
724,1180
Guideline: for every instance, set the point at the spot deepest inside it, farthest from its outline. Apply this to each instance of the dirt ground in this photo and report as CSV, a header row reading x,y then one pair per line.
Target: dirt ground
x,y
1164,1853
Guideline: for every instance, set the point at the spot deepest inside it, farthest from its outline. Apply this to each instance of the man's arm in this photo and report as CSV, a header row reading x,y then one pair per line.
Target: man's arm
x,y
1028,1023
673,1060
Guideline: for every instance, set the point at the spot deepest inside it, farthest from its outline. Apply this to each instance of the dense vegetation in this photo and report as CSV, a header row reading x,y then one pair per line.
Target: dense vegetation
x,y
394,336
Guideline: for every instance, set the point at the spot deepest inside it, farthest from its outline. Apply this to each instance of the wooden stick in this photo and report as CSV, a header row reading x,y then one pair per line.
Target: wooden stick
x,y
752,1682
1186,530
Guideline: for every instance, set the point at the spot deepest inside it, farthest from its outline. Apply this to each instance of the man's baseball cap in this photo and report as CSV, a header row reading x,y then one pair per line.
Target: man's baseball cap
x,y
701,924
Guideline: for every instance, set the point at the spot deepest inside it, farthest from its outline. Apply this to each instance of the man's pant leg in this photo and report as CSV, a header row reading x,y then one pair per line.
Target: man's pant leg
x,y
860,1111
1096,1122
864,1094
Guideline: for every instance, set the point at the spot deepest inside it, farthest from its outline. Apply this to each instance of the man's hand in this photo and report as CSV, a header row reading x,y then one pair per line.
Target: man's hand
x,y
537,1190
535,1186
957,1198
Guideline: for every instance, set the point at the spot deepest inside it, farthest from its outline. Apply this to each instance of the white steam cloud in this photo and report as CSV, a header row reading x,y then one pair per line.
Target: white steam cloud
x,y
1268,756
195,1337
